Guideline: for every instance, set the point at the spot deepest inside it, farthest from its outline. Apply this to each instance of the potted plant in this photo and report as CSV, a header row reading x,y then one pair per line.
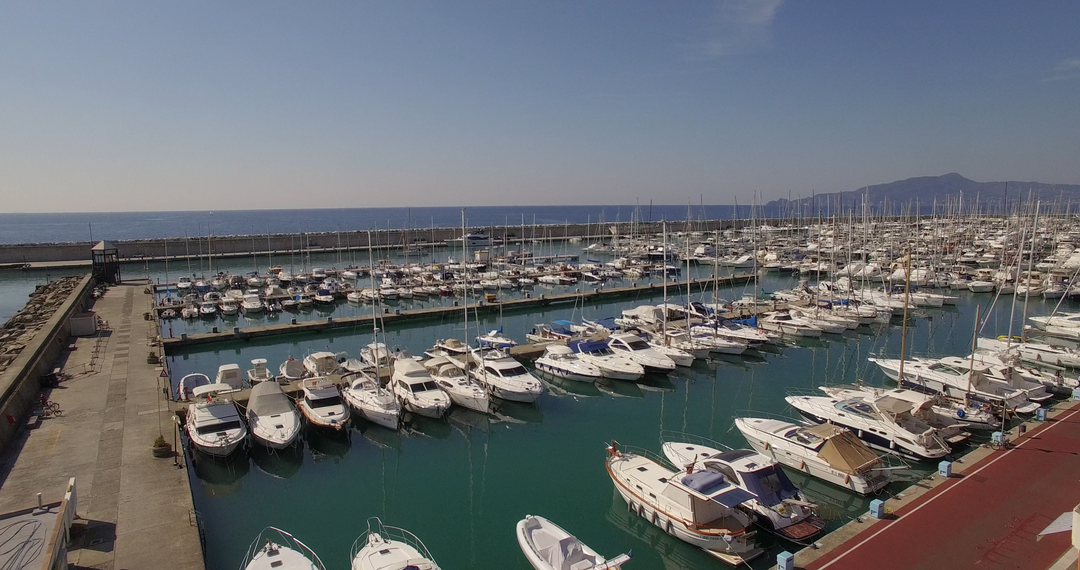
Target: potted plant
x,y
161,447
152,358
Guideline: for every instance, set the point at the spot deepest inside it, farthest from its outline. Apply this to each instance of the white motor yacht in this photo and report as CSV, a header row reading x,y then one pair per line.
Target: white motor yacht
x,y
389,548
417,390
213,424
376,355
321,363
778,506
274,420
259,372
611,365
951,417
826,451
462,390
787,324
640,352
548,547
229,374
275,549
183,284
322,405
208,309
1033,352
697,508
373,402
1064,324
887,425
251,304
291,370
561,362
505,377
495,339
962,383
186,387
189,312
229,307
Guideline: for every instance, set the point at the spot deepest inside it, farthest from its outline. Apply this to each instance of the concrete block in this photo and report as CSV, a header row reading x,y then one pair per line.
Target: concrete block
x,y
877,509
785,561
1040,414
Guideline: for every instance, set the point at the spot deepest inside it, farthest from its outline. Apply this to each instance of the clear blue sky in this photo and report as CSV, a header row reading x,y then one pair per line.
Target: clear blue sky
x,y
236,105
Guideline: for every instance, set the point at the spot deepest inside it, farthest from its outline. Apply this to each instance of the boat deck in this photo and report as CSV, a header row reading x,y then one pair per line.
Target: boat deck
x,y
987,515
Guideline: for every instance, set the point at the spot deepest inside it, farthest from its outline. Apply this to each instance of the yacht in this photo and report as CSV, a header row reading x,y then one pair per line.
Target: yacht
x,y
251,304
495,339
207,309
887,424
951,417
291,370
787,324
274,420
1037,353
183,284
324,296
462,390
389,548
322,405
826,451
548,547
417,390
1063,324
962,383
259,372
321,363
373,402
640,352
213,424
697,508
611,365
561,362
275,549
778,506
229,307
304,301
505,377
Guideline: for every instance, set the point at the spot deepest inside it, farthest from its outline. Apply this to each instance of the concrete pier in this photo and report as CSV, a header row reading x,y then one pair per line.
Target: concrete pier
x,y
135,510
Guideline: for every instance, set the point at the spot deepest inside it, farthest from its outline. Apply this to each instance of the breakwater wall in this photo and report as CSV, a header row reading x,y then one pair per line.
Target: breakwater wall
x,y
237,245
20,380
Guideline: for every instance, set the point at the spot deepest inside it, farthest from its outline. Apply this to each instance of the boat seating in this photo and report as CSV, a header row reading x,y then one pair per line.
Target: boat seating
x,y
544,543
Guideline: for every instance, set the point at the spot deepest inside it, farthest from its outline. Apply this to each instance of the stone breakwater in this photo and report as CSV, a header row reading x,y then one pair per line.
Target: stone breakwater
x,y
24,325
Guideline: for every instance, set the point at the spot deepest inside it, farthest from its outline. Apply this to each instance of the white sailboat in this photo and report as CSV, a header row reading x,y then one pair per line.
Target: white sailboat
x,y
373,402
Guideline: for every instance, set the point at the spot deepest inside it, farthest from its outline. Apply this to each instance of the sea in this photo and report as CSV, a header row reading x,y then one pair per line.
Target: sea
x,y
93,226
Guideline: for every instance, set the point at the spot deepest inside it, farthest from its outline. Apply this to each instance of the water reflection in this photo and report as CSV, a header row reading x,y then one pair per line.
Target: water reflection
x,y
278,463
326,444
674,553
379,436
415,424
517,412
562,387
619,388
219,476
463,418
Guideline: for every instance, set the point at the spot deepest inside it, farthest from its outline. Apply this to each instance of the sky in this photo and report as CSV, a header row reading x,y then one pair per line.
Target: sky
x,y
137,106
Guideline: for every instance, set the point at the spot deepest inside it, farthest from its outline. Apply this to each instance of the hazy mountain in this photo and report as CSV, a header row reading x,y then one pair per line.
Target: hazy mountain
x,y
902,195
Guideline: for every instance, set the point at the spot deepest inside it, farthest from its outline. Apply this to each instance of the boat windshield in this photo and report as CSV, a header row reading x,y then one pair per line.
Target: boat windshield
x,y
218,427
324,402
804,437
637,344
856,407
427,386
514,371
939,367
771,485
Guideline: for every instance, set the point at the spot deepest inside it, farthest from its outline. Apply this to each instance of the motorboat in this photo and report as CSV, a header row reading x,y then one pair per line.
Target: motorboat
x,y
960,382
697,508
304,301
321,363
951,417
259,372
548,547
251,304
611,365
745,334
274,420
324,296
417,391
1064,324
462,390
229,374
558,331
376,355
389,548
229,307
291,370
561,362
829,452
373,402
1037,353
275,549
213,424
495,339
772,499
322,405
183,284
208,309
185,388
638,350
886,424
505,377
787,324
189,312
450,347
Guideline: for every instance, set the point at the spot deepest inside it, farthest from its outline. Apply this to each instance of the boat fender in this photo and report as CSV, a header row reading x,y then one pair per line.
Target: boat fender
x,y
960,413
668,528
632,507
847,479
802,465
767,446
656,519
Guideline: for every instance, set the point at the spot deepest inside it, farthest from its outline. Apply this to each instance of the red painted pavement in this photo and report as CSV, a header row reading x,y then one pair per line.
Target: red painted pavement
x,y
987,519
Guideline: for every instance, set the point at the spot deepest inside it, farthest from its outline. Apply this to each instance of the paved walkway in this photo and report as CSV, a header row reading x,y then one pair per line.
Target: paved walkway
x,y
987,518
136,509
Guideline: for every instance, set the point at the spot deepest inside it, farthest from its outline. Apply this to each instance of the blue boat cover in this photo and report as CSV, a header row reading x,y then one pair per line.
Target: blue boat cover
x,y
588,345
705,482
752,321
733,497
564,323
608,323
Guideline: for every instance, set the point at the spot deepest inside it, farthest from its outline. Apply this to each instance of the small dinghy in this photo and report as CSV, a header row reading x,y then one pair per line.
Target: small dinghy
x,y
549,547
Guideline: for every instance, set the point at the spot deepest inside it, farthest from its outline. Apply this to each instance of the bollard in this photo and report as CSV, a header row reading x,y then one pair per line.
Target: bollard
x,y
294,320
215,330
785,561
877,509
329,320
1040,414
236,331
183,336
945,469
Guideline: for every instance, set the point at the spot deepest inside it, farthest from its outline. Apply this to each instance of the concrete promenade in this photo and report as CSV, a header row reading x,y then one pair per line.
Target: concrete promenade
x,y
987,516
136,511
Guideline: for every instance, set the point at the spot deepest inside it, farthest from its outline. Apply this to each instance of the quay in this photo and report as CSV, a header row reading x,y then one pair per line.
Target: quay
x,y
134,510
596,294
988,514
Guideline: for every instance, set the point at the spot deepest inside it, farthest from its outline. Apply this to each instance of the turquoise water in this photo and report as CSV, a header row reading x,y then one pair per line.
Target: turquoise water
x,y
462,484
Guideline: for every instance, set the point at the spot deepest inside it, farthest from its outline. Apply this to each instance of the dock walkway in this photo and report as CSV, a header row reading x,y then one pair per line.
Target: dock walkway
x,y
986,516
136,510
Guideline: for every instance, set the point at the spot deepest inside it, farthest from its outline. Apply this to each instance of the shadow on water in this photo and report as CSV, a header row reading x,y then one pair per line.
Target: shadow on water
x,y
379,436
279,463
517,412
657,383
469,419
562,387
414,424
619,388
219,476
835,503
327,444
